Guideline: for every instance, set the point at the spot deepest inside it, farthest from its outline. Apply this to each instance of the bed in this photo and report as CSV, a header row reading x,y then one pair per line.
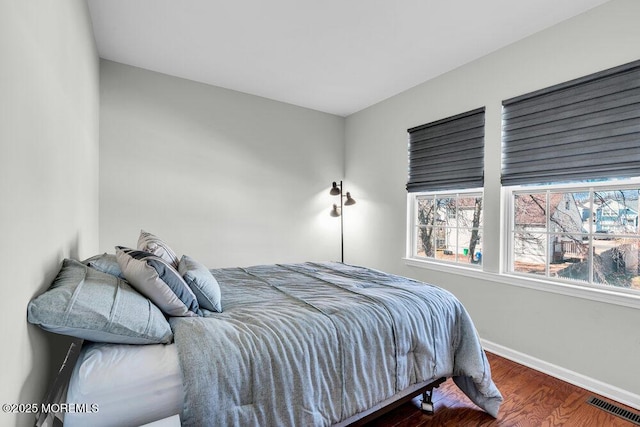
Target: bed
x,y
314,344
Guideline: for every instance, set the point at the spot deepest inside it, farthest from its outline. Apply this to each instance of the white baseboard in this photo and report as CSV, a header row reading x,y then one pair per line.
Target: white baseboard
x,y
607,390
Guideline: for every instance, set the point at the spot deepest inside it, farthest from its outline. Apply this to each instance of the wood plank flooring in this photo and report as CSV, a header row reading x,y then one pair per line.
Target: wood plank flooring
x,y
531,398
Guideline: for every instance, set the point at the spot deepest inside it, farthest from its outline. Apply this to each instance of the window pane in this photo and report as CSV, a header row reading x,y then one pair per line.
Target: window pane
x,y
530,211
615,212
470,212
570,257
424,242
470,246
445,239
425,211
616,263
445,211
567,212
530,252
569,248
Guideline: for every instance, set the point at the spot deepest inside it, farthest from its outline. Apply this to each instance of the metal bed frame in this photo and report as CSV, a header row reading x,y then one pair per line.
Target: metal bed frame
x,y
57,395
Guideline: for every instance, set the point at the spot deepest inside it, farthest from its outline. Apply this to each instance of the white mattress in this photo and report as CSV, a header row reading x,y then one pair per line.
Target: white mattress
x,y
131,385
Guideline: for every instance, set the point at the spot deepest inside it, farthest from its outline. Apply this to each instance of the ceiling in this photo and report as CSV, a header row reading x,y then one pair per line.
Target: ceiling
x,y
336,56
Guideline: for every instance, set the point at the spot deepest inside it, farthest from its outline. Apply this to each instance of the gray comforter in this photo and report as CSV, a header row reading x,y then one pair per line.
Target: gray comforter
x,y
313,344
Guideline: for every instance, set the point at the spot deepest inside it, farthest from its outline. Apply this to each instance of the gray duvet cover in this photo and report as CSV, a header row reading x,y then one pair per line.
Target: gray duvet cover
x,y
313,344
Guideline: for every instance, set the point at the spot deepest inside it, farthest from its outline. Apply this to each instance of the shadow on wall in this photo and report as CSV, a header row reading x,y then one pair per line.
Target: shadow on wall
x,y
48,349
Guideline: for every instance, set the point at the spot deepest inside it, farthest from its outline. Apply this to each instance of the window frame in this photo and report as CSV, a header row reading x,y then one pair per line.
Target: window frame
x,y
601,294
508,241
412,227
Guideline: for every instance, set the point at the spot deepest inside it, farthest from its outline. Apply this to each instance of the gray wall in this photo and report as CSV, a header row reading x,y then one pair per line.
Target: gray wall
x,y
48,176
596,340
228,178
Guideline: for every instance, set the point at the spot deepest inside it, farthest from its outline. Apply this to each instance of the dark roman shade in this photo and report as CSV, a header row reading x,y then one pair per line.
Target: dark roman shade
x,y
448,153
588,128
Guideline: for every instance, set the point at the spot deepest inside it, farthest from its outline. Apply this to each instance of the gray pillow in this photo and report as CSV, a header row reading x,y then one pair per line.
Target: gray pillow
x,y
201,282
148,242
156,279
89,304
107,263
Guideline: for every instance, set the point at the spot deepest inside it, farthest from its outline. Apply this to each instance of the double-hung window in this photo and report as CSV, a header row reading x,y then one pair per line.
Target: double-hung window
x,y
570,162
446,176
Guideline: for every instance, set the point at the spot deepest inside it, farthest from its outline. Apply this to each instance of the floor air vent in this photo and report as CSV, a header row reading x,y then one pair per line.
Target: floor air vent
x,y
615,410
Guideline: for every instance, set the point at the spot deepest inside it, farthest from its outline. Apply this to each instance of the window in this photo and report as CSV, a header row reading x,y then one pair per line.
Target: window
x,y
447,227
446,173
569,157
585,234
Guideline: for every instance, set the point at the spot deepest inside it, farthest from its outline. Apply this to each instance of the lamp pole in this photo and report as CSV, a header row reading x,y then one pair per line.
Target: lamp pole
x,y
337,190
341,227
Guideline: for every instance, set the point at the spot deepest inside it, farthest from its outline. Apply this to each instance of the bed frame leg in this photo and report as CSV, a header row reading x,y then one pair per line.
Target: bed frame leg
x,y
427,404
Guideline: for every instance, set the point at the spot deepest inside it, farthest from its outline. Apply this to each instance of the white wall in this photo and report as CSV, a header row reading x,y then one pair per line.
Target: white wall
x,y
228,178
597,340
48,176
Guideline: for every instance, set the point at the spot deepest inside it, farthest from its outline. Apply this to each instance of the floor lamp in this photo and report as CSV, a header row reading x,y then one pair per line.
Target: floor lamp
x,y
336,190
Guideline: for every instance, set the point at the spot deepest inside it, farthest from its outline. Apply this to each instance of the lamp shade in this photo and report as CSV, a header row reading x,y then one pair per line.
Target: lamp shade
x,y
335,212
335,190
350,201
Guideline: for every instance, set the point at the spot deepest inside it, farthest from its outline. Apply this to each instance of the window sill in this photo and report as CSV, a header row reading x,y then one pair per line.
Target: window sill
x,y
622,298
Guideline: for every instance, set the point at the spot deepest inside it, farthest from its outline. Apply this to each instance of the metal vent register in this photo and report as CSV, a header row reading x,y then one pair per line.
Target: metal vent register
x,y
615,410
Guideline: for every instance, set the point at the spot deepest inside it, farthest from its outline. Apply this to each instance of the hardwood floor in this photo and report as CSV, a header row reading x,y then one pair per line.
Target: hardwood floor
x,y
531,398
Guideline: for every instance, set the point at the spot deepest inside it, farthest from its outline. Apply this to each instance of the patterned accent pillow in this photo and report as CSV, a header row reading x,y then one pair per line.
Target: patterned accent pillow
x,y
89,304
150,243
201,282
155,278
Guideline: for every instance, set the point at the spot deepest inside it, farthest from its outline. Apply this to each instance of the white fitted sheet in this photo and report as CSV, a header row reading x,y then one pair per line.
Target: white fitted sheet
x,y
130,384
